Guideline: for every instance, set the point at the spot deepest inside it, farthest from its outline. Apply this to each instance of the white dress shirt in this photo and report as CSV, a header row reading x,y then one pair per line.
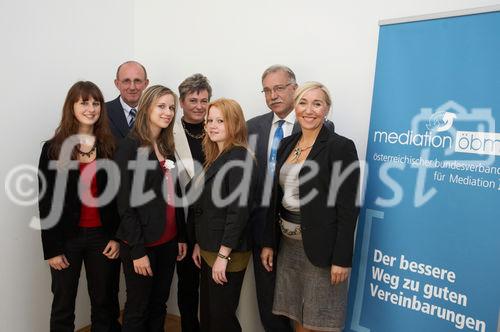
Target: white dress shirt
x,y
287,128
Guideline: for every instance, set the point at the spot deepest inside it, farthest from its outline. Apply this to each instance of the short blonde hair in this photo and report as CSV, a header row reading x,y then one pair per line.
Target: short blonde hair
x,y
308,86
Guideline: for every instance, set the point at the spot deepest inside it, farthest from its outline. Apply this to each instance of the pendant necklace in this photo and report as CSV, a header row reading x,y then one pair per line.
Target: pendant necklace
x,y
297,151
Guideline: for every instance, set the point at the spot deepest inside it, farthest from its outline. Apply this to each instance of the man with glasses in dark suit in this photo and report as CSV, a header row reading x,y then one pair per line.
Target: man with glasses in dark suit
x,y
279,84
131,79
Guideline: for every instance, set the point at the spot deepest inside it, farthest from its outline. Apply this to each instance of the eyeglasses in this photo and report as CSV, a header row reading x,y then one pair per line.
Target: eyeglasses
x,y
128,82
276,89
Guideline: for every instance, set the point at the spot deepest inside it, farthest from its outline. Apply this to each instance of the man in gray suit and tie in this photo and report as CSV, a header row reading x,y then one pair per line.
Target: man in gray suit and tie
x,y
131,79
279,84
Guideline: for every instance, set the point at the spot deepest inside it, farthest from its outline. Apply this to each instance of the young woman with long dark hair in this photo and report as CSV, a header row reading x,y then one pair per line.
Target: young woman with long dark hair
x,y
83,231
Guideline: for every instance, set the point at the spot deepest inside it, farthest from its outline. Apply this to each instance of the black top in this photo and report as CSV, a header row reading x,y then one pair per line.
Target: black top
x,y
195,144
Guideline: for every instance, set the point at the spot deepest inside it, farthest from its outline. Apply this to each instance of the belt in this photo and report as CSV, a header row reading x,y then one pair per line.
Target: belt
x,y
290,216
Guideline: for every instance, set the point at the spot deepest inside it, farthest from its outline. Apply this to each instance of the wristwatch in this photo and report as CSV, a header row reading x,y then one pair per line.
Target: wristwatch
x,y
224,256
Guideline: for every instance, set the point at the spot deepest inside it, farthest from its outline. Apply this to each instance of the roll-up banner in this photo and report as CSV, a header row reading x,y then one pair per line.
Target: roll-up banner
x,y
427,254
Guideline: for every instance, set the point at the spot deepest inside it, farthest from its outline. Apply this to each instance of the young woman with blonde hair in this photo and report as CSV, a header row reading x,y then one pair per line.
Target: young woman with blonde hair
x,y
152,225
317,231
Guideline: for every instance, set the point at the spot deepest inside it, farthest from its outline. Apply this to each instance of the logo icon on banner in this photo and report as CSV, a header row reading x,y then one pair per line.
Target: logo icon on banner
x,y
441,121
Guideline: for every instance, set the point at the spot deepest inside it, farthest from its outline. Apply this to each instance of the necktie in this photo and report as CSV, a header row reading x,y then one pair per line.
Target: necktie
x,y
132,114
278,135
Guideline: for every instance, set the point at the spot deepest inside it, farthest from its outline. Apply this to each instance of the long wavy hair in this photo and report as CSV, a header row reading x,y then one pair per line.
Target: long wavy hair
x,y
236,129
142,130
69,125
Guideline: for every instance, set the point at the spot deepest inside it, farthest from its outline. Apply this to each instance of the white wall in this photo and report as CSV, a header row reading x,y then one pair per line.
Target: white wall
x,y
47,46
232,42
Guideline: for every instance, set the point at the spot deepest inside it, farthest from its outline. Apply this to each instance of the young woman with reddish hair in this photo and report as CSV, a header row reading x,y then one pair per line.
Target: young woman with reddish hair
x,y
218,220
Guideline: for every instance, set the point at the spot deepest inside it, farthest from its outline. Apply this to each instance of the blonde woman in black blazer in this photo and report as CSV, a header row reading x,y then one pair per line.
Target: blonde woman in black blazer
x,y
315,216
220,229
152,229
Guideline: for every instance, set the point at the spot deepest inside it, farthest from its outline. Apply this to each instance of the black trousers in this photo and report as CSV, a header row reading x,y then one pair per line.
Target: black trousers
x,y
264,285
86,247
114,290
146,305
188,276
218,303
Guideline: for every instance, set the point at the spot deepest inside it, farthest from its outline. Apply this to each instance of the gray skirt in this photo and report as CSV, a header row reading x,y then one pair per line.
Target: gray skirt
x,y
304,292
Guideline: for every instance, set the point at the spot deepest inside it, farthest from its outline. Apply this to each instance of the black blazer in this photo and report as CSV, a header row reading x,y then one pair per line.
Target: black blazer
x,y
259,128
210,225
327,232
66,225
117,119
143,223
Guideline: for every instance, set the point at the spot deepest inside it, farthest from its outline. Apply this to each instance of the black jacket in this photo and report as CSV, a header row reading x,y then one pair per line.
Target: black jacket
x,y
210,225
143,223
327,231
259,129
117,119
66,225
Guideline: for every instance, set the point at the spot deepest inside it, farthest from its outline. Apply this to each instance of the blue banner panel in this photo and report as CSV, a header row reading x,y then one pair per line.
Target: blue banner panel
x,y
427,254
